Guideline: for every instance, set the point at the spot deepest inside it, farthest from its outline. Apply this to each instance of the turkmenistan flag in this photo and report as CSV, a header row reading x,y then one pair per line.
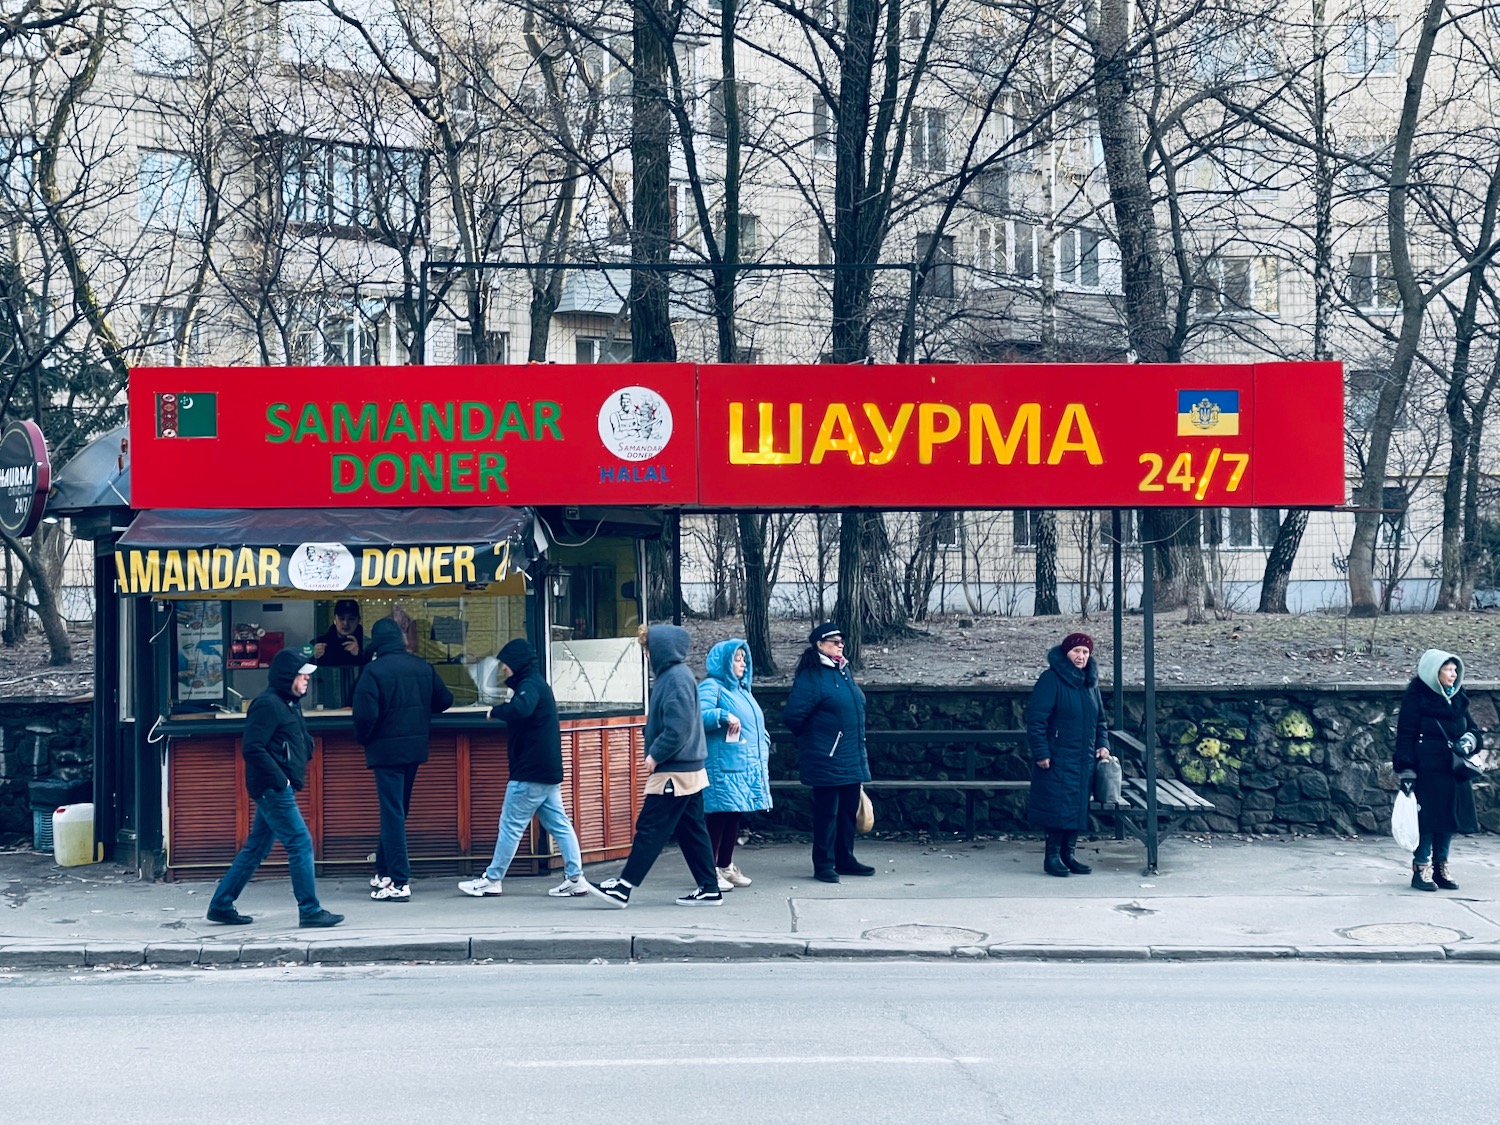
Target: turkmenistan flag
x,y
187,415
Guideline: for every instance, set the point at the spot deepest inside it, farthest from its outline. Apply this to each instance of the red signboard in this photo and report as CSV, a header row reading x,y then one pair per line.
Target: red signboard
x,y
920,436
1022,436
393,437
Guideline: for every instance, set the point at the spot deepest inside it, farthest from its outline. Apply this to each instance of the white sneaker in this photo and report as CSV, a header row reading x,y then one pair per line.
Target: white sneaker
x,y
378,881
569,888
724,883
735,876
481,887
392,893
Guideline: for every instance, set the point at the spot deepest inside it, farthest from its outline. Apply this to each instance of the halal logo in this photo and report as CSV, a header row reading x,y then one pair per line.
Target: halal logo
x,y
635,423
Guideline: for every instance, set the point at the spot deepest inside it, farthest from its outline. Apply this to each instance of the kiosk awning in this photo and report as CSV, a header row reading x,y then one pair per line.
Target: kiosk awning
x,y
229,552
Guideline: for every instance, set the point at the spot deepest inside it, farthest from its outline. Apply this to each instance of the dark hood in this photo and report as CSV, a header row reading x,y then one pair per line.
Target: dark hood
x,y
668,645
518,657
1058,661
386,637
284,667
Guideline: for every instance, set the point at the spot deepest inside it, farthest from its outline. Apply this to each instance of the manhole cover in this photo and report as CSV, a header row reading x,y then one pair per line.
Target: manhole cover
x,y
1403,933
917,934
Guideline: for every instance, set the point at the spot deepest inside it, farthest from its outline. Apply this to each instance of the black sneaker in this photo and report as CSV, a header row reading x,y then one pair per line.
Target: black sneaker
x,y
826,876
701,897
612,891
228,916
321,920
856,868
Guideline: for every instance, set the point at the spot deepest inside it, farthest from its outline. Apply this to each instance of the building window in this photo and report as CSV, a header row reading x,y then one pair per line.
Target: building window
x,y
822,130
989,254
1362,398
167,191
354,188
744,99
1023,251
937,278
1023,527
1371,285
948,530
463,347
599,349
1232,284
1371,47
161,328
464,351
749,235
1078,258
929,140
1241,528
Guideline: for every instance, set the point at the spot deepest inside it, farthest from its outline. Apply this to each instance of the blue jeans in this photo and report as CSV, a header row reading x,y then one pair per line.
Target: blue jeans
x,y
277,817
1433,847
523,800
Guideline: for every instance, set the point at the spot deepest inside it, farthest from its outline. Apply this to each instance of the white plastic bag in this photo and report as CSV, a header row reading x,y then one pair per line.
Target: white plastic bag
x,y
1404,828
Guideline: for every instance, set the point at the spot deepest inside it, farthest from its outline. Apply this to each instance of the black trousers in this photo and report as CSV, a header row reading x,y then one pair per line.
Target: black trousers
x,y
662,817
393,786
723,833
834,810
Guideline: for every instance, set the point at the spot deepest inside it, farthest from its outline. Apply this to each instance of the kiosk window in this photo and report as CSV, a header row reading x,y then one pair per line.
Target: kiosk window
x,y
594,610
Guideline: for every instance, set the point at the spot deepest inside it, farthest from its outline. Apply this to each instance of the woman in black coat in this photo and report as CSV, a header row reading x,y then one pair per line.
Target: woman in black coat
x,y
1434,716
1066,733
826,711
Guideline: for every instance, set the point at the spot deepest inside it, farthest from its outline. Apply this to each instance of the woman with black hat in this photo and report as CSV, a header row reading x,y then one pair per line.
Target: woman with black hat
x,y
1065,730
826,711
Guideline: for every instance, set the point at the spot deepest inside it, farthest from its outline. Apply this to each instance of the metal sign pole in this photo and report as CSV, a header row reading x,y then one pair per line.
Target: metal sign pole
x,y
1148,614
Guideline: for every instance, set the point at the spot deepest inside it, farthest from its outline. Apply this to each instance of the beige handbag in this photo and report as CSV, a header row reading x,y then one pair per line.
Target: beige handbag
x,y
864,819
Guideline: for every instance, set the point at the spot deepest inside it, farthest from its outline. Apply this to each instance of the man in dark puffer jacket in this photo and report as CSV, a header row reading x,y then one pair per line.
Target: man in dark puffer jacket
x,y
394,702
533,747
275,745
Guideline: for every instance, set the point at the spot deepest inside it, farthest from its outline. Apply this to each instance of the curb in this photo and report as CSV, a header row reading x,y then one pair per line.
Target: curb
x,y
586,948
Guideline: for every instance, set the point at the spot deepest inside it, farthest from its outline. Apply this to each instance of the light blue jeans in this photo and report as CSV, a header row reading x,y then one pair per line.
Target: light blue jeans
x,y
523,800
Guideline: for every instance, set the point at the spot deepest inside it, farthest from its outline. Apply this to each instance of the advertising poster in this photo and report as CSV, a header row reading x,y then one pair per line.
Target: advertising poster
x,y
200,650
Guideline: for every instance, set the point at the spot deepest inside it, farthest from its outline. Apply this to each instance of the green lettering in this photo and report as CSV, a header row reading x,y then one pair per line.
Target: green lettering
x,y
399,421
346,428
432,420
469,431
281,425
460,470
354,479
548,416
511,422
311,424
492,468
429,471
398,472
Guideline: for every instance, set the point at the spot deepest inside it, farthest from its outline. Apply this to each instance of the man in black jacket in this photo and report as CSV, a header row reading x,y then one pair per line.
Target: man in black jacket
x,y
394,702
534,749
275,745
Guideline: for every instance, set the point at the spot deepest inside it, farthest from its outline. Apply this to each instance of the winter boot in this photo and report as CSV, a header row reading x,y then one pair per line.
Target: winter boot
x,y
1440,875
1069,840
1421,877
1053,864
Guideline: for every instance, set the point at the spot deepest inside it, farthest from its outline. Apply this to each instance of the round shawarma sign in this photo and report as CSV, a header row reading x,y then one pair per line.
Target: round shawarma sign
x,y
25,477
635,423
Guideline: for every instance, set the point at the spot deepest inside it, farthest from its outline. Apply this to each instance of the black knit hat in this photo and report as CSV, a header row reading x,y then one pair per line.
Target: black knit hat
x,y
823,632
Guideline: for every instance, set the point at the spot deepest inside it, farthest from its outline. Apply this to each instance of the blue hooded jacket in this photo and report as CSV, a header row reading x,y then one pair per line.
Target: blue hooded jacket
x,y
739,773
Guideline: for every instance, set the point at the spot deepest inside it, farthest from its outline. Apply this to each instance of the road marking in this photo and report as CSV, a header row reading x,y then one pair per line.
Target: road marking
x,y
746,1060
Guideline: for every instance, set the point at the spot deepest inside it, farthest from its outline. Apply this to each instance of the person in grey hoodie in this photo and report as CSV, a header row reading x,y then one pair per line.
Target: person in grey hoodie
x,y
676,776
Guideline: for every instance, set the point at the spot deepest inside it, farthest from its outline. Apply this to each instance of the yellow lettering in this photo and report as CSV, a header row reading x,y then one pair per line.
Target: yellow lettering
x,y
370,566
441,558
765,453
197,570
171,572
1075,418
889,437
928,434
244,567
395,567
221,570
145,572
501,549
270,566
837,417
983,424
463,563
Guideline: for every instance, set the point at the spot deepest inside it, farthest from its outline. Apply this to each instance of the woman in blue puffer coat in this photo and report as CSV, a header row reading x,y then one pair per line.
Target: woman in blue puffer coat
x,y
739,753
826,711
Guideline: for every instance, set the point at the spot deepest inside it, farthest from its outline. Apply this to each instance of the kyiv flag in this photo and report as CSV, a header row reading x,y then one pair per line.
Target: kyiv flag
x,y
1208,413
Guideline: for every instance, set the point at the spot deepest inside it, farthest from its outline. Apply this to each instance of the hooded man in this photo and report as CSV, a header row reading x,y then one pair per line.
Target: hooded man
x,y
275,745
533,747
394,702
676,777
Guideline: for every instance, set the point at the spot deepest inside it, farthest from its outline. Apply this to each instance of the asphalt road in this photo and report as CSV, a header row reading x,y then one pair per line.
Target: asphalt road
x,y
748,1043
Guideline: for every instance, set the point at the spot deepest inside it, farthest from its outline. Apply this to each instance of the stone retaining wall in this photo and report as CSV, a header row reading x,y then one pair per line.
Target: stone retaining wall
x,y
1272,759
40,738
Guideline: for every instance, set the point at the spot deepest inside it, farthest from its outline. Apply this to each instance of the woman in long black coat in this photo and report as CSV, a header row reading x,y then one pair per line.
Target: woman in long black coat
x,y
1066,733
1434,716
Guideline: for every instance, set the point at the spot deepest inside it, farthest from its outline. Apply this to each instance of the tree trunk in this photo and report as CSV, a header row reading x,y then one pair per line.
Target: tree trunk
x,y
651,156
757,593
847,607
1278,572
58,641
1046,604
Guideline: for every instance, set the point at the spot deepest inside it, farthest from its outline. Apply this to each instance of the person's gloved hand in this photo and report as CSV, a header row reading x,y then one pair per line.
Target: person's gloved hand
x,y
1408,780
1466,743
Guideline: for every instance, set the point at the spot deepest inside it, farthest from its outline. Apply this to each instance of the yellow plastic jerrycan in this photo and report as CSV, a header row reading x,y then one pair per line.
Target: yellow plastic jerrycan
x,y
73,835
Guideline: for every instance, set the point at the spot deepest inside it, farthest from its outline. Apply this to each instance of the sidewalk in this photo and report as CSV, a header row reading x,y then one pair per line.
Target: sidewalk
x,y
1214,900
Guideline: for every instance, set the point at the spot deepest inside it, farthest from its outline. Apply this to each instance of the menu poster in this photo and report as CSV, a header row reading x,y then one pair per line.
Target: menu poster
x,y
200,650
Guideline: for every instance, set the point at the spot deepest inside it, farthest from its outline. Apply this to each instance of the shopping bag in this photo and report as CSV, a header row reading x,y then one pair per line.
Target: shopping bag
x,y
1108,778
864,819
1404,828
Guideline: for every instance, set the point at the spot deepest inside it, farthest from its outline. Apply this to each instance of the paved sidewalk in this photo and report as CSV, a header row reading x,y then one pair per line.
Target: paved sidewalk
x,y
1214,899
